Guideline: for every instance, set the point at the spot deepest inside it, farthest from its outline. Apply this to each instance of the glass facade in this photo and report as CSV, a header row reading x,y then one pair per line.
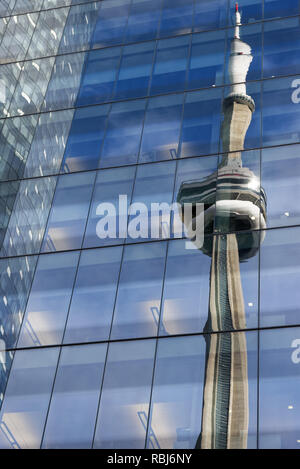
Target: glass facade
x,y
149,341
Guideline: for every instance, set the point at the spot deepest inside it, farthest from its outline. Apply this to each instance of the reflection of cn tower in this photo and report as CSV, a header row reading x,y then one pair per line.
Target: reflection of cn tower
x,y
237,204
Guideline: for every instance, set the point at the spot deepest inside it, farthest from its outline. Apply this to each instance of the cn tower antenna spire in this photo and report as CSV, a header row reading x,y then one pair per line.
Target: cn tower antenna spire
x,y
237,22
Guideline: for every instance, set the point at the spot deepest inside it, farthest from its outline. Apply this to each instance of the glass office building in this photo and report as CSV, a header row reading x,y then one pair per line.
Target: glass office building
x,y
143,343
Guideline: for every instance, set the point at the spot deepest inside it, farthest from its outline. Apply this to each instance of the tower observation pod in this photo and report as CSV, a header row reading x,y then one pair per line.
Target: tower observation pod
x,y
234,211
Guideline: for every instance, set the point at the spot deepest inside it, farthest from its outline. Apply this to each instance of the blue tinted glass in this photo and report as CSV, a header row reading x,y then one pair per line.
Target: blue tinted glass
x,y
135,70
6,7
124,404
279,389
69,212
186,290
65,81
111,23
251,10
280,274
27,397
185,391
96,284
49,143
207,60
99,76
143,20
201,123
85,139
73,409
251,35
137,307
170,66
123,135
154,184
177,17
278,8
162,128
79,27
177,393
280,111
281,182
16,275
110,184
210,14
49,300
281,47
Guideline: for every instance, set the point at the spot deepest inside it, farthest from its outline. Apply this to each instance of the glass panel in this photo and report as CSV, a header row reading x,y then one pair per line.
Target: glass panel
x,y
110,184
79,27
280,111
162,128
183,391
65,82
251,10
277,8
281,47
170,66
207,60
281,182
111,24
74,402
8,193
99,76
69,212
177,17
22,6
210,14
280,276
95,286
27,396
9,75
143,20
6,7
17,37
201,123
122,140
279,389
186,290
49,300
16,275
123,413
154,184
137,307
31,89
49,143
135,70
47,34
15,140
85,139
27,223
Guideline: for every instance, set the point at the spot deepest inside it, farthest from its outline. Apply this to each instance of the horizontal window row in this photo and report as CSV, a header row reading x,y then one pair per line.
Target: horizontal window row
x,y
139,131
147,289
150,68
117,21
90,396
